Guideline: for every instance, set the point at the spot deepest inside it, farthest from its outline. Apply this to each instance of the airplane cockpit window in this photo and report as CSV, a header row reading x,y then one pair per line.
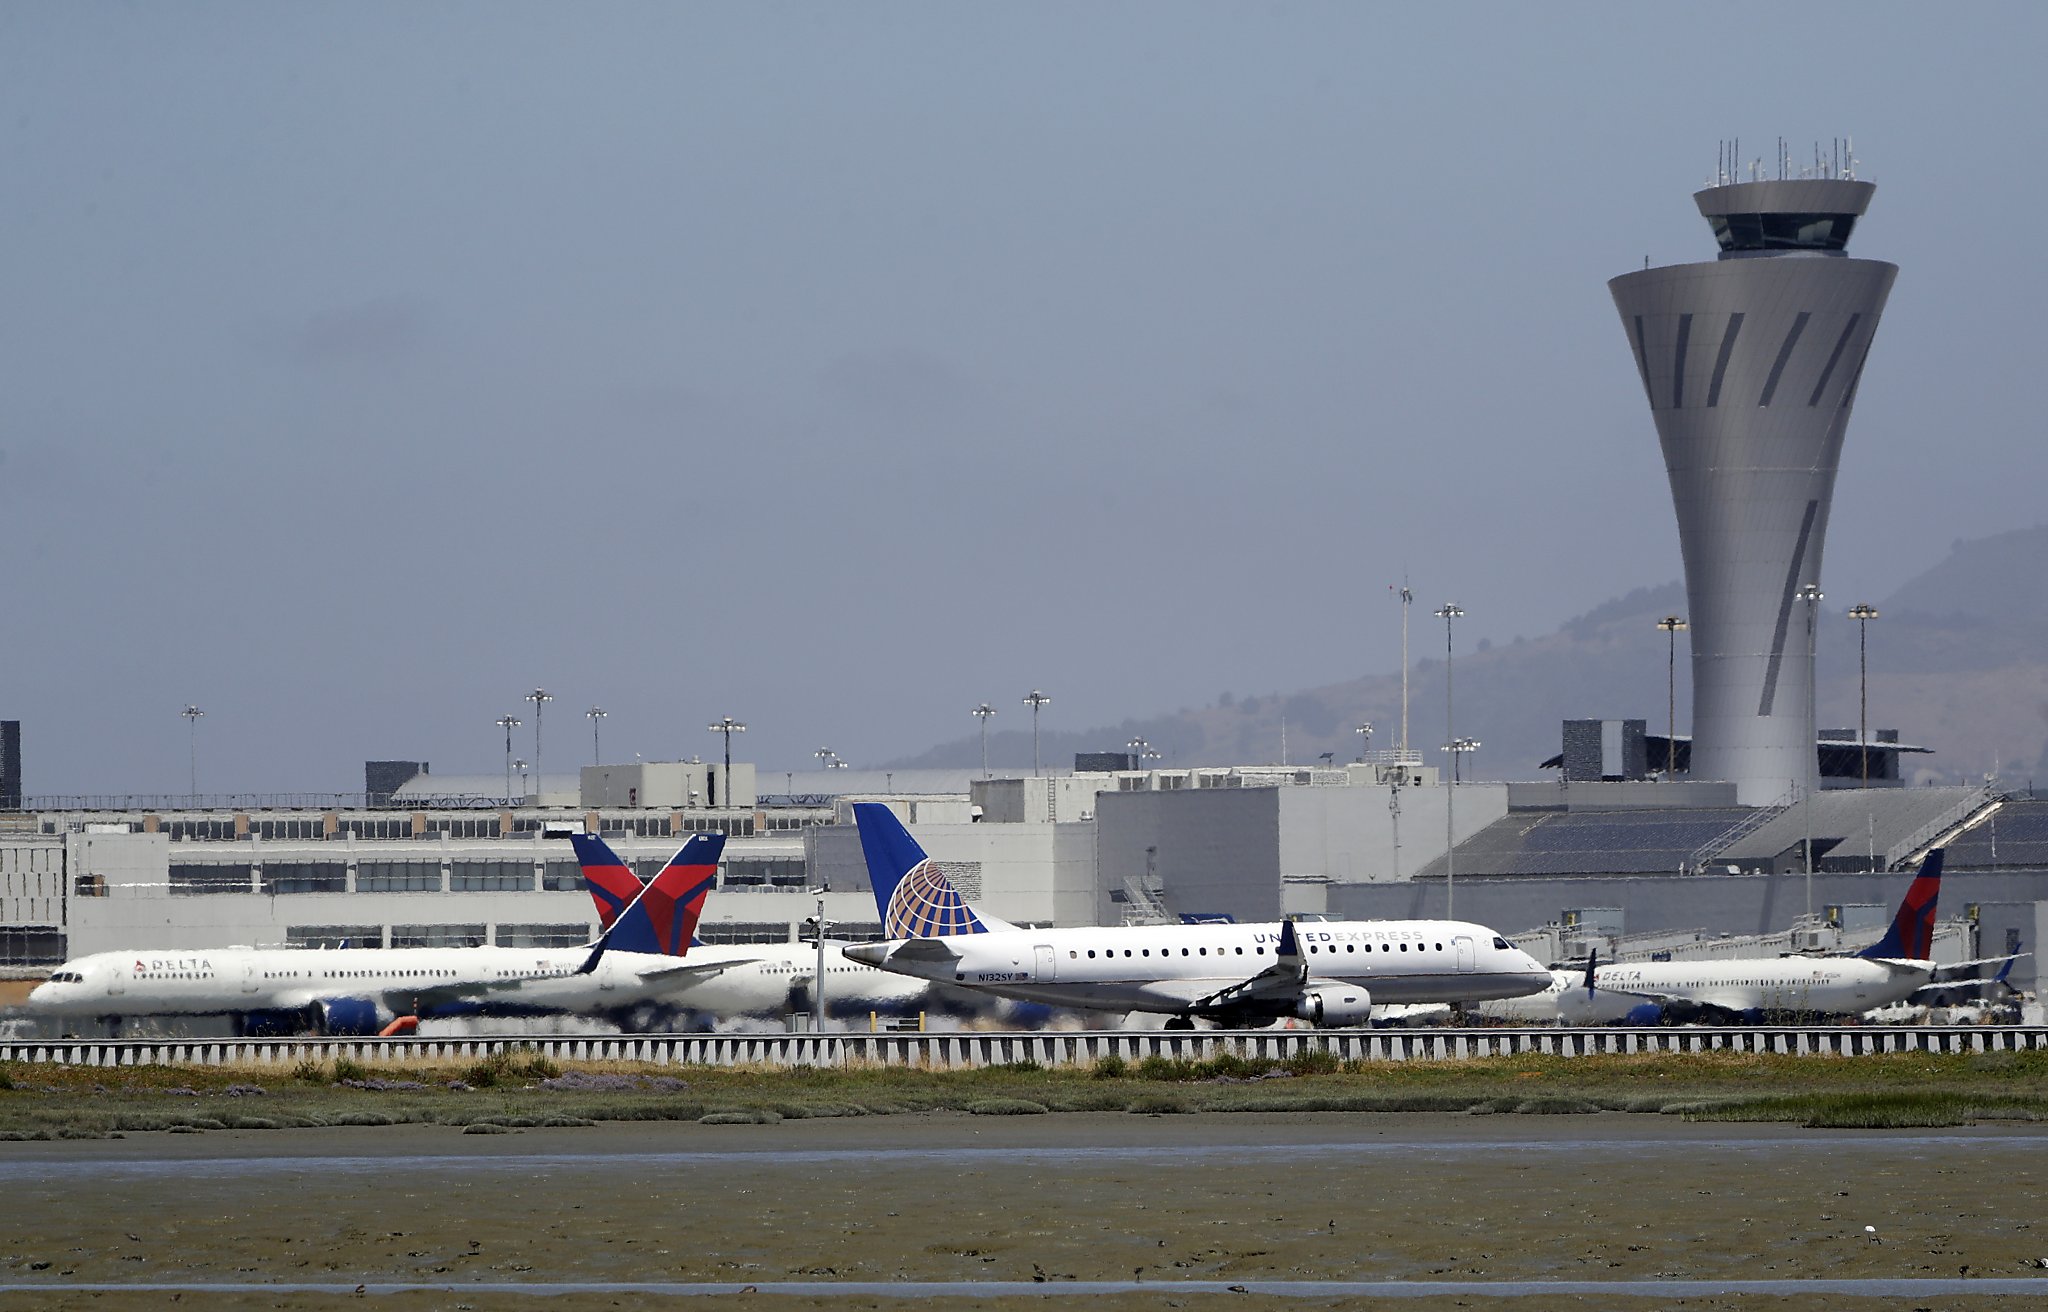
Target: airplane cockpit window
x,y
1501,943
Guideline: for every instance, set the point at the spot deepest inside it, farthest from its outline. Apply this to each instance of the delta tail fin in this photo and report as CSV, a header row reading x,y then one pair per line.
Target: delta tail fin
x,y
611,882
660,919
913,896
1911,937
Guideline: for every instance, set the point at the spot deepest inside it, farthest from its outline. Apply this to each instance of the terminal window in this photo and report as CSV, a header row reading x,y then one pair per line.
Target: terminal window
x,y
398,876
544,936
398,828
192,880
765,871
296,827
200,831
490,876
32,945
305,877
744,931
334,936
437,936
562,877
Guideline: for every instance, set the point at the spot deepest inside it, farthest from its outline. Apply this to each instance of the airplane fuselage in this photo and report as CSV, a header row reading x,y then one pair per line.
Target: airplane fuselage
x,y
1791,985
1164,968
725,980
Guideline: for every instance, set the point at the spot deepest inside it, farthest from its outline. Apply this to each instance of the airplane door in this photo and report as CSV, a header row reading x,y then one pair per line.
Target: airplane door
x,y
1048,968
606,980
1463,943
248,977
117,979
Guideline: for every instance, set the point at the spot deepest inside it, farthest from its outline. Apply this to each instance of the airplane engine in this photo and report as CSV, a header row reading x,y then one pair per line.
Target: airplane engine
x,y
1336,1005
1645,1013
351,1016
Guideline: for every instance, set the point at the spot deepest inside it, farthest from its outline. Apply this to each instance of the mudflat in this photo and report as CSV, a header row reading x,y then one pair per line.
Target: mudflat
x,y
1038,1199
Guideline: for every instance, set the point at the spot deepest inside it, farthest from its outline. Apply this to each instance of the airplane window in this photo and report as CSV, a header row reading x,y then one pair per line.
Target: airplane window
x,y
1439,947
1147,951
1075,956
1499,942
1351,947
1205,952
1240,952
1312,947
1404,947
1260,951
1127,952
1184,952
1091,954
1386,947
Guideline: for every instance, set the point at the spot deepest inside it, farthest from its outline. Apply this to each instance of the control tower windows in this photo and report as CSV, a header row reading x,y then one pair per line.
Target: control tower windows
x,y
1782,232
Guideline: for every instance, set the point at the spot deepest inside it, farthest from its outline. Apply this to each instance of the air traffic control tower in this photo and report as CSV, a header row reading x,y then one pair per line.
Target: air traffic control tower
x,y
1751,363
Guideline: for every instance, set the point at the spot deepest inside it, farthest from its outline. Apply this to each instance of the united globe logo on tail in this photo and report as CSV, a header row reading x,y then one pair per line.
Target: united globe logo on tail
x,y
912,894
924,904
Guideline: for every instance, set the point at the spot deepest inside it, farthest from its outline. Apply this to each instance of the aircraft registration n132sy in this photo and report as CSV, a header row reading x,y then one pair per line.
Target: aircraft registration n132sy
x,y
374,990
1328,972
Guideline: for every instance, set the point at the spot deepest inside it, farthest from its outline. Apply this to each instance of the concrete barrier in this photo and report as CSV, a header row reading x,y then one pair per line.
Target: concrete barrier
x,y
966,1050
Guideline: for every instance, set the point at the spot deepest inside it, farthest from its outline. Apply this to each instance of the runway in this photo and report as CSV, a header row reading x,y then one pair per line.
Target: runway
x,y
1293,1209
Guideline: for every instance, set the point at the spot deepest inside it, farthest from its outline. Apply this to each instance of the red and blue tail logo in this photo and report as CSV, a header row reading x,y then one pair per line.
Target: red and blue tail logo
x,y
663,919
611,882
1911,937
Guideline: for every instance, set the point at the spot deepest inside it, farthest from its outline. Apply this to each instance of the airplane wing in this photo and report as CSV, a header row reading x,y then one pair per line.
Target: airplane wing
x,y
683,970
1283,981
1966,971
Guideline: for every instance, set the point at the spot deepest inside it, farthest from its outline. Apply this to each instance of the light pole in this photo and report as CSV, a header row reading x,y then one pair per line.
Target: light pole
x,y
539,697
826,756
818,991
1811,594
1672,625
192,714
727,726
1449,612
521,767
1458,747
1140,749
1034,700
1863,614
981,713
594,714
1407,600
508,723
1365,740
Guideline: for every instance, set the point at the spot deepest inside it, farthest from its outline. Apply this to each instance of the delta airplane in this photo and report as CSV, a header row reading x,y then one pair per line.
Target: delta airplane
x,y
388,990
743,979
1730,991
1328,973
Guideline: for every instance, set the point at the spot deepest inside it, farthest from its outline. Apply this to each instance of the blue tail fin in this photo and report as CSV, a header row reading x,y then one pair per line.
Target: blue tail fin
x,y
912,895
1911,937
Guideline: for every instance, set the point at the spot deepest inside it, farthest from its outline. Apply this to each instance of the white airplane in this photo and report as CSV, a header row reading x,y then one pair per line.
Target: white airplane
x,y
1746,990
1328,973
719,982
388,990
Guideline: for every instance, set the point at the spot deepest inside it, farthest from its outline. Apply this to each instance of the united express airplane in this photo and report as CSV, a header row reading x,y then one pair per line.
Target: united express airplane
x,y
1328,973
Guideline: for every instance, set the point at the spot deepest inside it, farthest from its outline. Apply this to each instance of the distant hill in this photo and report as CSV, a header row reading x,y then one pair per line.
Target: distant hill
x,y
1958,662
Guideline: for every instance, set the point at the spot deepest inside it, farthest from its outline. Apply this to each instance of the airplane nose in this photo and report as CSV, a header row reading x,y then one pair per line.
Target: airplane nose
x,y
869,954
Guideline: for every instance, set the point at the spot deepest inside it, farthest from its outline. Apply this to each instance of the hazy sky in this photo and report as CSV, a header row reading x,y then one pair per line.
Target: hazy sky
x,y
841,366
